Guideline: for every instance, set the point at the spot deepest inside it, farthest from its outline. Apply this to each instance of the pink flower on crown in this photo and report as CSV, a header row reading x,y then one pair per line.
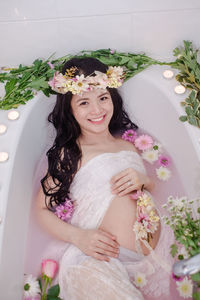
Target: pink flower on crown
x,y
164,161
64,211
143,142
129,135
58,81
50,65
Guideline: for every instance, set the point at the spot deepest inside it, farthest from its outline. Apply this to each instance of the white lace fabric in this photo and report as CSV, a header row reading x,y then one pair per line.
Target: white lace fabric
x,y
83,277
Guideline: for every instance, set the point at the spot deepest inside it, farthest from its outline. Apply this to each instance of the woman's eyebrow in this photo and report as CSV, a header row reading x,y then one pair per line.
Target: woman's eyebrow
x,y
106,93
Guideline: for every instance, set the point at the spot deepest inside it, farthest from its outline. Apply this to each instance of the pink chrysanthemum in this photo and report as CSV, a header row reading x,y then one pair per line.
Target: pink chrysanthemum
x,y
177,278
64,211
129,135
164,161
143,142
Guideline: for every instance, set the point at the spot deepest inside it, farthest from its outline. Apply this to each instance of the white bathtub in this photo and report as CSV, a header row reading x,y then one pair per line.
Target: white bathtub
x,y
152,104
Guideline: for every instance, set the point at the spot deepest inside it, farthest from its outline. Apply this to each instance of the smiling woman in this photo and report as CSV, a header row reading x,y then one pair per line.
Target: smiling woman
x,y
90,164
93,108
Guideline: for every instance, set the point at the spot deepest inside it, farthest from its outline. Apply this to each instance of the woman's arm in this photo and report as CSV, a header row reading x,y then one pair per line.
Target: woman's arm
x,y
93,242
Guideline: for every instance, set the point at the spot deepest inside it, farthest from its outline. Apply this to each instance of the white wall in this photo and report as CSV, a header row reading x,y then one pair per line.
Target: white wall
x,y
31,29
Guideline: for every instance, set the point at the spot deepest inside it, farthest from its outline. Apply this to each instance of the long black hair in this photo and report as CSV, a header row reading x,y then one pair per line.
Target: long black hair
x,y
64,155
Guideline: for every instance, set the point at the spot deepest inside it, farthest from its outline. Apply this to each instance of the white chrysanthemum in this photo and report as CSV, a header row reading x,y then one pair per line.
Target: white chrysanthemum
x,y
183,252
31,286
184,287
140,280
80,85
179,202
163,173
140,231
150,155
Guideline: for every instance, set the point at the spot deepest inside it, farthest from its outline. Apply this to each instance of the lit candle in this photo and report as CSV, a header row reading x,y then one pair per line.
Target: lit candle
x,y
13,115
3,128
168,74
179,89
3,156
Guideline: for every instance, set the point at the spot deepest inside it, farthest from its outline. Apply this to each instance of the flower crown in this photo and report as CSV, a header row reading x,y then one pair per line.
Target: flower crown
x,y
62,84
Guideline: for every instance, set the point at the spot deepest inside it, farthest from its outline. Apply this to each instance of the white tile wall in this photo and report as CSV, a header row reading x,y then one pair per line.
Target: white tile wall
x,y
11,10
37,29
159,33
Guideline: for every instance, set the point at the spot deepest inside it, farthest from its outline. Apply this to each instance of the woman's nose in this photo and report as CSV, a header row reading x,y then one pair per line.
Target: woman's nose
x,y
96,108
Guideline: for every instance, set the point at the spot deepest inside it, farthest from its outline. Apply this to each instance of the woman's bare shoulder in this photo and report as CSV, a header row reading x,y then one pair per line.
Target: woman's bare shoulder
x,y
125,145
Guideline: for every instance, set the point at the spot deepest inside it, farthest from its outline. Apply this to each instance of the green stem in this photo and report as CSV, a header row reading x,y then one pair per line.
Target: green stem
x,y
44,295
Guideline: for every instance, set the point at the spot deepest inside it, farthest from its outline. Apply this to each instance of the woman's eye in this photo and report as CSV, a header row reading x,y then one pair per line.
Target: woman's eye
x,y
103,98
84,103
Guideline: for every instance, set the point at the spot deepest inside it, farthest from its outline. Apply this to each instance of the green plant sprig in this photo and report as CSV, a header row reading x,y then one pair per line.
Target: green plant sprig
x,y
23,82
189,77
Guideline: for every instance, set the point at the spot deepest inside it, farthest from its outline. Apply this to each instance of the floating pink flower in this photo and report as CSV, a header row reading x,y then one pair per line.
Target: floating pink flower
x,y
129,135
177,278
49,268
64,211
164,161
143,142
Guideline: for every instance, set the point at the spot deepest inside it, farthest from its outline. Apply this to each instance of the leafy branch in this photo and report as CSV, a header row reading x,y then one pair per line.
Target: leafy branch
x,y
22,83
189,76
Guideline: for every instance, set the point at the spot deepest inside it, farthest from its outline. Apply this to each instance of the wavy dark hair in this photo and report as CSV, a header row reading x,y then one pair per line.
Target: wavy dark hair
x,y
64,155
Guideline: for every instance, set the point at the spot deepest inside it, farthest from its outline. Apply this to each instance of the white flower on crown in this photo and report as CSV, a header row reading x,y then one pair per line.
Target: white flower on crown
x,y
113,78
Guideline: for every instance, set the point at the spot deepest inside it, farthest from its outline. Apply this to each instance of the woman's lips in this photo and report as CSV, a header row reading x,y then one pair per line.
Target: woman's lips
x,y
97,120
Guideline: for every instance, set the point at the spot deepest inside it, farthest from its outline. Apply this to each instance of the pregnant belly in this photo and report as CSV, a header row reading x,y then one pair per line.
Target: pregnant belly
x,y
119,220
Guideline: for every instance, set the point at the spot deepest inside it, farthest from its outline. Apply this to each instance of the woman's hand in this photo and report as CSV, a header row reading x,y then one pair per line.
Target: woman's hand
x,y
97,243
128,181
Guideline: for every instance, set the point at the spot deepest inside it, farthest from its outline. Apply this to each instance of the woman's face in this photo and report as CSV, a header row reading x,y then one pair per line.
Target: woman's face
x,y
93,110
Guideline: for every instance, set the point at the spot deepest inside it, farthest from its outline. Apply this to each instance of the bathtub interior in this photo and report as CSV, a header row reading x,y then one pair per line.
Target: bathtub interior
x,y
151,103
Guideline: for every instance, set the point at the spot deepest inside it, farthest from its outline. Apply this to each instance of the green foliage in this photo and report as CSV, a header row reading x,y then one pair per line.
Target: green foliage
x,y
21,83
196,296
189,76
53,293
174,250
196,277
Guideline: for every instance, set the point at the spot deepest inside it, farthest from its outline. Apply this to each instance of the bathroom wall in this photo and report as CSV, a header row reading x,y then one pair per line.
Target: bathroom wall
x,y
31,29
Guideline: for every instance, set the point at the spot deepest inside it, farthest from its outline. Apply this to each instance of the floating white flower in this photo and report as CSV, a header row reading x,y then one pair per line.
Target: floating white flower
x,y
150,155
163,173
158,147
184,287
183,252
140,280
31,286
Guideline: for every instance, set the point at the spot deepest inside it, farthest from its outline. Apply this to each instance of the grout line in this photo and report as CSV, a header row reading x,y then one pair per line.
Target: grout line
x,y
99,15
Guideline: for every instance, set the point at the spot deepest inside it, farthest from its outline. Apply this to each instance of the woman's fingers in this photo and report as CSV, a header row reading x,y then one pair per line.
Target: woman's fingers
x,y
101,257
118,176
107,252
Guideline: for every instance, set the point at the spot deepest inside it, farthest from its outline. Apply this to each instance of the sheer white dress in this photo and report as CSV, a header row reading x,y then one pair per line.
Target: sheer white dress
x,y
82,277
